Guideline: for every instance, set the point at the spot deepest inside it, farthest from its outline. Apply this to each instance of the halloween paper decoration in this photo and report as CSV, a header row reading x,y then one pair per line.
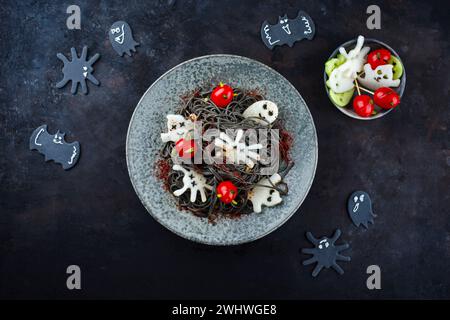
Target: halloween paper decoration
x,y
288,31
121,38
177,127
264,111
264,193
382,76
325,253
193,181
54,147
359,207
237,152
78,70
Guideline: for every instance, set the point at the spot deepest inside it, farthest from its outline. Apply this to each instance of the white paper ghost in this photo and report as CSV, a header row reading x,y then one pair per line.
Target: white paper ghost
x,y
237,152
342,78
177,127
264,194
264,111
193,181
382,76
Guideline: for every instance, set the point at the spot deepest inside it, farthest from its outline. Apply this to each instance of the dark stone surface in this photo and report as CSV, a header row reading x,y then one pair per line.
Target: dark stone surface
x,y
90,215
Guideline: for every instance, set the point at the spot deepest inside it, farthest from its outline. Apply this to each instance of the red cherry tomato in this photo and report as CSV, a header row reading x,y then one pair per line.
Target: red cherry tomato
x,y
363,105
378,57
222,95
186,149
386,98
227,192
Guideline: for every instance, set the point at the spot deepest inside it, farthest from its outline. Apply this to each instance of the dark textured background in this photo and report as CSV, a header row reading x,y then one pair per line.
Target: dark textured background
x,y
90,215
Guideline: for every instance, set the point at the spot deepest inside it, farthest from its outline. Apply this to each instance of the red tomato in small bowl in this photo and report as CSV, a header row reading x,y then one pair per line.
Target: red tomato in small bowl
x,y
227,192
222,95
386,98
186,149
363,105
378,58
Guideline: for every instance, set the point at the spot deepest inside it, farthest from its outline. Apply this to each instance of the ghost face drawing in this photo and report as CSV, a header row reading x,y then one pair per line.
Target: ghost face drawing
x,y
264,112
121,38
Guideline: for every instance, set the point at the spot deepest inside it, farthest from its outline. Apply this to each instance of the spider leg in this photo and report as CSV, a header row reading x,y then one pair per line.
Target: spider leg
x,y
338,269
309,250
73,52
84,53
255,146
311,238
253,155
93,59
336,235
317,269
73,90
63,58
62,83
179,192
194,194
342,247
310,261
84,87
92,79
239,135
226,138
342,258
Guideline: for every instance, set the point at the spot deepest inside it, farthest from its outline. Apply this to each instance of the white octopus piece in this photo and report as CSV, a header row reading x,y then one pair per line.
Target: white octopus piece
x,y
382,76
193,181
237,152
177,127
264,193
264,112
342,78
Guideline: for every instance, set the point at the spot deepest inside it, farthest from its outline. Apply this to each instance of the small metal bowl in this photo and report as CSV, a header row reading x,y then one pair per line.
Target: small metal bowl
x,y
374,45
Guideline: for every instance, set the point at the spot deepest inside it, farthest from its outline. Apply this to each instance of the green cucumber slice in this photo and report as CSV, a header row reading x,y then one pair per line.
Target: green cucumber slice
x,y
341,99
397,69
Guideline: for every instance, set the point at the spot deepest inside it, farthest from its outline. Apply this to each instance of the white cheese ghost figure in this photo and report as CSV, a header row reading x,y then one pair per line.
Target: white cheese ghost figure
x,y
382,76
264,112
342,78
193,181
264,193
237,152
177,127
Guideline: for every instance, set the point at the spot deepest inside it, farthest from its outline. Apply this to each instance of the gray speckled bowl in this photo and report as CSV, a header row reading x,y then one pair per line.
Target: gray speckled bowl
x,y
149,120
374,45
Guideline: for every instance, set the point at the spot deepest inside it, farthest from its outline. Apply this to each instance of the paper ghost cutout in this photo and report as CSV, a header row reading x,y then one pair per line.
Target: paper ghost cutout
x,y
359,207
54,147
288,31
121,38
264,112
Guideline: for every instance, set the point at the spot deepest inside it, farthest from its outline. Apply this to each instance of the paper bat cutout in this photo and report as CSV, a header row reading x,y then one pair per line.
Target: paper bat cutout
x,y
54,147
288,31
359,207
121,38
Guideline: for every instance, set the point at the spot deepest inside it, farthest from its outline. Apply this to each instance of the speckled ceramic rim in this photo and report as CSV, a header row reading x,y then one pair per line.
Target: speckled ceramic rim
x,y
281,222
400,89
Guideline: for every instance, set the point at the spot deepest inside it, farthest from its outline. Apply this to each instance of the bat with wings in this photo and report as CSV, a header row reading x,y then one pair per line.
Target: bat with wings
x,y
54,147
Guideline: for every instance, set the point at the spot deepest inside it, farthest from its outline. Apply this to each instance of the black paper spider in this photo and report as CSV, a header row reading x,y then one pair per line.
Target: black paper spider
x,y
325,253
78,70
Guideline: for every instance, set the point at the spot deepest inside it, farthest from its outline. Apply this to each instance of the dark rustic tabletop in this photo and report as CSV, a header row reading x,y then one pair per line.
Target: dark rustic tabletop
x,y
90,216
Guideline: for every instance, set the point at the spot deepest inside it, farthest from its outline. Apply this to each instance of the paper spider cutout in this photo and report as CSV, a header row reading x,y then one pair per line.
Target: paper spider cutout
x,y
193,181
326,253
237,152
78,70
